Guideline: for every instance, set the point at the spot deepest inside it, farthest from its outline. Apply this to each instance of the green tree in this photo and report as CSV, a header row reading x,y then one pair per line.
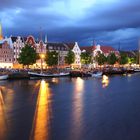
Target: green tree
x,y
70,58
85,58
28,55
123,58
100,58
52,58
112,59
132,60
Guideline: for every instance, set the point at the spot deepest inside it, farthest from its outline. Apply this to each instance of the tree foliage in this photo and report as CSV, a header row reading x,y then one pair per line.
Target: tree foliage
x,y
123,58
70,58
28,55
100,58
112,59
52,58
85,58
132,60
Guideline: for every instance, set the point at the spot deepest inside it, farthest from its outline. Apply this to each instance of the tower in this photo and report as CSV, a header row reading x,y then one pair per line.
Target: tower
x,y
46,39
1,36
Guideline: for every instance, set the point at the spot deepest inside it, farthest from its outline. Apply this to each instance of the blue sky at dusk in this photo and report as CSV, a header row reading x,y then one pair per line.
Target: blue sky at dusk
x,y
108,22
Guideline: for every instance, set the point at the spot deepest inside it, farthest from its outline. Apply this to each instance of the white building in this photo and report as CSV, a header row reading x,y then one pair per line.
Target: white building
x,y
18,44
77,51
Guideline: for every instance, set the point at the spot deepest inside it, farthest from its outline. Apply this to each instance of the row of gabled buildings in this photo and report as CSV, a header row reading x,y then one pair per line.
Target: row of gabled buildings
x,y
10,49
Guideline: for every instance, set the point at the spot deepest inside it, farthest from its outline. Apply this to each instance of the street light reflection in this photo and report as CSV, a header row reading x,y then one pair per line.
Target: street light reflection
x,y
105,81
3,125
77,107
41,124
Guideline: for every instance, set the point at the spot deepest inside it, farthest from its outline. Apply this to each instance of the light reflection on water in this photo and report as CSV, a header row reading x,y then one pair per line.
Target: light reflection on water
x,y
105,81
3,126
77,107
41,123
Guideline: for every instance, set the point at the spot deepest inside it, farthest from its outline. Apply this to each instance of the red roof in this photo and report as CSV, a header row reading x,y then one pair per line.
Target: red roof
x,y
104,49
107,49
87,49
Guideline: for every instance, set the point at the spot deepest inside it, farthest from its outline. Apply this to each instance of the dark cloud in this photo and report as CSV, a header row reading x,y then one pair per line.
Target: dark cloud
x,y
109,23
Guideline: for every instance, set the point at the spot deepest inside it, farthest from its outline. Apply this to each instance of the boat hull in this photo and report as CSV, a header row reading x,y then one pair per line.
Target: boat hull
x,y
3,77
98,74
33,74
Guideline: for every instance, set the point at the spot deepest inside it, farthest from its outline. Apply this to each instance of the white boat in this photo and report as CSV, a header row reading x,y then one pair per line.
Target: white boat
x,y
97,74
34,74
136,70
3,77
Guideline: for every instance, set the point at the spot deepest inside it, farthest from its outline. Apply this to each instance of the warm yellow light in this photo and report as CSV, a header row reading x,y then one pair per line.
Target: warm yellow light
x,y
42,56
3,124
105,81
77,108
40,128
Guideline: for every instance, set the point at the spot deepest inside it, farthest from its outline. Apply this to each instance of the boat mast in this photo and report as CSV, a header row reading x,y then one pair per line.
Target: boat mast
x,y
139,52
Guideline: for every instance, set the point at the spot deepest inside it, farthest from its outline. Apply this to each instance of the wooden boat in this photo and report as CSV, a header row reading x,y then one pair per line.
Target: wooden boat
x,y
4,77
34,74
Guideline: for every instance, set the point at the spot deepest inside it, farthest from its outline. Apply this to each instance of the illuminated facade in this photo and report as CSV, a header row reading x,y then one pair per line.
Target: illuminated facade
x,y
6,54
18,44
77,51
6,51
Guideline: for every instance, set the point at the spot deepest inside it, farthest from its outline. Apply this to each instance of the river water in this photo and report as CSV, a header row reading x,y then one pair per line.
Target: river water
x,y
106,108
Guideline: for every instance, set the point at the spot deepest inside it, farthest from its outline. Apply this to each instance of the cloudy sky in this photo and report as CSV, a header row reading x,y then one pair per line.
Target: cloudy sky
x,y
108,22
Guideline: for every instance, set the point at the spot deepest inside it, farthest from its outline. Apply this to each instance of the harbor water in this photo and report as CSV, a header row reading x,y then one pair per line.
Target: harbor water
x,y
105,108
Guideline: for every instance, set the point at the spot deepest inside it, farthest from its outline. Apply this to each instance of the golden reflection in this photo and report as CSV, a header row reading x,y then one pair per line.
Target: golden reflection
x,y
40,128
55,80
79,85
105,81
77,107
129,75
3,126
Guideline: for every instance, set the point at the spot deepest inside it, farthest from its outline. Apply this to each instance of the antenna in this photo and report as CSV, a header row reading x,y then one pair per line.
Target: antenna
x,y
119,49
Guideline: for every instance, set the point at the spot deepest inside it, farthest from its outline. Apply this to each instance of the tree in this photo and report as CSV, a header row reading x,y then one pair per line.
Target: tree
x,y
112,59
85,58
52,58
100,58
132,60
70,58
123,58
28,55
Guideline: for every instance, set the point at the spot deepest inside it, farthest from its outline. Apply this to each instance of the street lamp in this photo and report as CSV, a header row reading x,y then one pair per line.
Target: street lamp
x,y
42,56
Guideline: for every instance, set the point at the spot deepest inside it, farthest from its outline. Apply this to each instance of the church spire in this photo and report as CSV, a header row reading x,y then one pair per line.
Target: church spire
x,y
1,37
46,39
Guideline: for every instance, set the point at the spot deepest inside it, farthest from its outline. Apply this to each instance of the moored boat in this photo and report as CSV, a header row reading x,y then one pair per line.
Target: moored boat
x,y
34,74
4,77
136,70
97,74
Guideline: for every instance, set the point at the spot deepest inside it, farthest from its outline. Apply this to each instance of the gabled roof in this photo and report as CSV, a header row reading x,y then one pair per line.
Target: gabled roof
x,y
70,45
87,49
15,38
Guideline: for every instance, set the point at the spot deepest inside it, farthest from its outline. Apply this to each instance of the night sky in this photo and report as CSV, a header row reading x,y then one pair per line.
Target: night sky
x,y
108,22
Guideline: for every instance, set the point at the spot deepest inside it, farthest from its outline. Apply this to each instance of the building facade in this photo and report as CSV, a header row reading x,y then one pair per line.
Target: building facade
x,y
77,51
62,50
6,54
